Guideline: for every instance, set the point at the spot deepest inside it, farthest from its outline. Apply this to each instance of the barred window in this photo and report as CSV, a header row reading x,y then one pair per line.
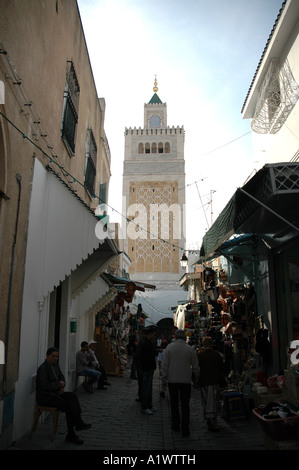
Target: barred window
x,y
91,162
70,108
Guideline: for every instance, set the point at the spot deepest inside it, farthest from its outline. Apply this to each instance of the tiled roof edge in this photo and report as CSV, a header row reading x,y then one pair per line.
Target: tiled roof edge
x,y
264,51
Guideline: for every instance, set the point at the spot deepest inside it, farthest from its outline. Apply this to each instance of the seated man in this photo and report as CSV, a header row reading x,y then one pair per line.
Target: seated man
x,y
95,363
50,384
84,368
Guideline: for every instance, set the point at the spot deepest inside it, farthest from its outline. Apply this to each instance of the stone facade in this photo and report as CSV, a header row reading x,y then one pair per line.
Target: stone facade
x,y
154,177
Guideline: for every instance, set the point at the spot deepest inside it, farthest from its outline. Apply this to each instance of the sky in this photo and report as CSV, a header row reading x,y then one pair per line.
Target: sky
x,y
204,54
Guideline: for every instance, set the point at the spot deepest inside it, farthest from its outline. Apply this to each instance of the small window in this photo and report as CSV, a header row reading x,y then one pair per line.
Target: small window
x,y
155,122
103,196
91,163
140,148
160,148
70,108
147,148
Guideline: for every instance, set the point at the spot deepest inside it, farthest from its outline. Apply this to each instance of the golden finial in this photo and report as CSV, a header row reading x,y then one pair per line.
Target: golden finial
x,y
155,83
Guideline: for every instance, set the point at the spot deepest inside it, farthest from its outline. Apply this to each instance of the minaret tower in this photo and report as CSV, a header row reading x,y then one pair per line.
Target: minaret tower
x,y
154,199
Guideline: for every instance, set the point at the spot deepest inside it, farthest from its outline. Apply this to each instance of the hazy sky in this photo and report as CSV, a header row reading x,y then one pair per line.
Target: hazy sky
x,y
204,53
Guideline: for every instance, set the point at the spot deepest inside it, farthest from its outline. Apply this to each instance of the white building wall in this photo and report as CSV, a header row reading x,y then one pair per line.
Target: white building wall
x,y
283,145
61,234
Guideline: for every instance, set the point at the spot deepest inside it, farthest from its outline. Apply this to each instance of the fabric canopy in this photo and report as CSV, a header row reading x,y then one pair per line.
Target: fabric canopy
x,y
266,204
121,282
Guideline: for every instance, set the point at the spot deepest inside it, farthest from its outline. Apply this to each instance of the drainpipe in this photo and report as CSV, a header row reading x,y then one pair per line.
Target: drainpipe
x,y
12,265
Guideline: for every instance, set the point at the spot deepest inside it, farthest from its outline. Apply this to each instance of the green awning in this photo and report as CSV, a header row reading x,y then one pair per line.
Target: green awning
x,y
122,282
266,204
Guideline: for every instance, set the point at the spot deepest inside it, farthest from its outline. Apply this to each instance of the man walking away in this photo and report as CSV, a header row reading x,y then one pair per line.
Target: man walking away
x,y
146,365
210,380
178,363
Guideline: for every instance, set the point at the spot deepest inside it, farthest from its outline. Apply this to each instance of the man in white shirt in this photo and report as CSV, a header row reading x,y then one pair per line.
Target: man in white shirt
x,y
178,363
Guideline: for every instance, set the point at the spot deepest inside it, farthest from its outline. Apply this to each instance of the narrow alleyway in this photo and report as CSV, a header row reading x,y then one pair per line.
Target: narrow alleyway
x,y
119,425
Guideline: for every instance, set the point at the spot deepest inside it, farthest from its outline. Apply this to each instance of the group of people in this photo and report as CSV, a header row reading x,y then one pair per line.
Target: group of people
x,y
180,366
50,386
87,365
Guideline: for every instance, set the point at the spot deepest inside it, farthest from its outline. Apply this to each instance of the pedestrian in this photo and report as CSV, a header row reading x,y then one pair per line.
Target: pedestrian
x,y
95,364
178,364
263,347
50,386
211,377
161,352
84,368
132,345
146,365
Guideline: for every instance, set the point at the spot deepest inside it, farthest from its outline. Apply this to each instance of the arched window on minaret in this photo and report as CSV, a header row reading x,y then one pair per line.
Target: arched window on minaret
x,y
160,147
147,148
154,147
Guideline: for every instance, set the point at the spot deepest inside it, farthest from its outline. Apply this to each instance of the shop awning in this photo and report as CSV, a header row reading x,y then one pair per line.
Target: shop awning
x,y
239,244
121,283
61,233
93,266
266,204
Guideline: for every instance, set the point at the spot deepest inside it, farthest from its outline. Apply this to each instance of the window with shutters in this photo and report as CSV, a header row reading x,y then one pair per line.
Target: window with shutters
x,y
91,163
70,108
103,196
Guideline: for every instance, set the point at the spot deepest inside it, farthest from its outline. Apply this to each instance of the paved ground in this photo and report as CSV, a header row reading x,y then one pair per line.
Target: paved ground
x,y
119,425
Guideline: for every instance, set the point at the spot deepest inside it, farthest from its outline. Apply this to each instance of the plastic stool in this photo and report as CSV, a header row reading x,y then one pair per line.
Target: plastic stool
x,y
234,406
39,410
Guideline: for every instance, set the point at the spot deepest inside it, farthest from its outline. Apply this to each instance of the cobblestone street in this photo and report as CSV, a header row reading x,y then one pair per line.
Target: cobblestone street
x,y
119,425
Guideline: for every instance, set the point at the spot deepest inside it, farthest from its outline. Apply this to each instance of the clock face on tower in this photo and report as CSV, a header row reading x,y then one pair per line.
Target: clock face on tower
x,y
155,122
